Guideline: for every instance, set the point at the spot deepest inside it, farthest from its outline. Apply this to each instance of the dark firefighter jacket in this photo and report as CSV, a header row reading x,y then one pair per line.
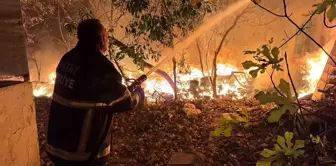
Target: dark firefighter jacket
x,y
88,88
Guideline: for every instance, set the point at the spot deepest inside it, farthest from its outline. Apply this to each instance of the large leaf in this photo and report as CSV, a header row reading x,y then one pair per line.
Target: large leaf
x,y
248,64
276,114
268,97
299,144
267,153
254,73
282,142
284,86
266,52
282,151
264,162
275,52
289,137
331,14
321,7
284,103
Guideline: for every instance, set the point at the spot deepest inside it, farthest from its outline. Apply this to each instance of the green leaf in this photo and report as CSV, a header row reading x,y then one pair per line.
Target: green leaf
x,y
217,132
315,140
331,14
276,114
249,52
249,64
278,148
275,52
299,144
264,163
282,152
289,137
289,144
321,7
265,98
284,103
267,153
254,73
281,141
266,52
284,86
227,131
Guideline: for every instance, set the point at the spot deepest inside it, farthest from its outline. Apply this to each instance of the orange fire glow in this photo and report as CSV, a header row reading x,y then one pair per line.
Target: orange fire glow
x,y
315,69
226,84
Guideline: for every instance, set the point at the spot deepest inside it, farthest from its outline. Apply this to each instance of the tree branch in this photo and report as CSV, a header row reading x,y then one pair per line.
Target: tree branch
x,y
300,107
298,27
312,39
278,15
59,25
273,83
219,48
297,32
200,55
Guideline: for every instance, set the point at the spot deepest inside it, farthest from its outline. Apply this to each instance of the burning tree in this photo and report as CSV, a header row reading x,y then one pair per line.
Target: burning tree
x,y
218,48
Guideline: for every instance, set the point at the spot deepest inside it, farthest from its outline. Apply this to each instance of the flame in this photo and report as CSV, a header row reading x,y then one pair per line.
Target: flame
x,y
52,78
43,89
155,84
316,67
227,83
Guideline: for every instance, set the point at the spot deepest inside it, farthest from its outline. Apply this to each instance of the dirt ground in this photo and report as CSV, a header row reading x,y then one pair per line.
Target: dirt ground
x,y
149,136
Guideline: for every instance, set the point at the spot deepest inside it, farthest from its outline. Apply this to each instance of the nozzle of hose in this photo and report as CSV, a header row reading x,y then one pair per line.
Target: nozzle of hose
x,y
137,83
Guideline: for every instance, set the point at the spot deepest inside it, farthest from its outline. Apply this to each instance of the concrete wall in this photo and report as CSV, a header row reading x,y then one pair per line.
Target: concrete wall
x,y
12,43
18,131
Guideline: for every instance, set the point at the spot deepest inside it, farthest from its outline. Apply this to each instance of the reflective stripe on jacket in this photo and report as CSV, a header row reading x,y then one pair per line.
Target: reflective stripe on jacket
x,y
87,90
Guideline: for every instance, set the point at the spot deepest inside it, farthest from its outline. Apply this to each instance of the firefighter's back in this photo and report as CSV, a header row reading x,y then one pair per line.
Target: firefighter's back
x,y
80,82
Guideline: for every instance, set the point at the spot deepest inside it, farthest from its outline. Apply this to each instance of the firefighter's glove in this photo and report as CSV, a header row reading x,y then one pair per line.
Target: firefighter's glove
x,y
138,96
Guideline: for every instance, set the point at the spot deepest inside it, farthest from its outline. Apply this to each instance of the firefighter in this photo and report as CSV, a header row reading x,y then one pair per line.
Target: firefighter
x,y
88,91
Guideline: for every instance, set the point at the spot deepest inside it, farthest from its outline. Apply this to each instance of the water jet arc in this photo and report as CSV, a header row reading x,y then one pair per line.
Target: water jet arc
x,y
206,26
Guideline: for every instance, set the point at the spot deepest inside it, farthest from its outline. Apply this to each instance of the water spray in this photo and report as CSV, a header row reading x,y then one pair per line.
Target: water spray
x,y
205,27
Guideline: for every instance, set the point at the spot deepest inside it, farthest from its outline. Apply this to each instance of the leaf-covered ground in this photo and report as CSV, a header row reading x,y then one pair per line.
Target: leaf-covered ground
x,y
149,136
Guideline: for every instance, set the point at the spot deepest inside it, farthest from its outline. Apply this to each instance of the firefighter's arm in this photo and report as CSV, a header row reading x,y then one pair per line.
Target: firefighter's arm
x,y
132,102
117,96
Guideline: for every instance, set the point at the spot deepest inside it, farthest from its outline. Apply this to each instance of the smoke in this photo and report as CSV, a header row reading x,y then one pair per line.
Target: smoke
x,y
44,60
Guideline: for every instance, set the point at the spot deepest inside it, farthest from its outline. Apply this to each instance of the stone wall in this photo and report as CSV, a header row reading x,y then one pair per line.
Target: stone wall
x,y
18,131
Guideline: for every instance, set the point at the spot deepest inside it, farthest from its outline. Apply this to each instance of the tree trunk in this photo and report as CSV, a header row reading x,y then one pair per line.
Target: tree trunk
x,y
220,46
175,79
200,56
